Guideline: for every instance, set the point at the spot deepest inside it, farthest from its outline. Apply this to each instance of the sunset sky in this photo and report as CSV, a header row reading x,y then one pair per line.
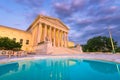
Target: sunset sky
x,y
85,18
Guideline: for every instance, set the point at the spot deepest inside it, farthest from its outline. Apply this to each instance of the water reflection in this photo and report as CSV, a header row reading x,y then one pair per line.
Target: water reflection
x,y
58,69
53,69
102,66
23,67
8,68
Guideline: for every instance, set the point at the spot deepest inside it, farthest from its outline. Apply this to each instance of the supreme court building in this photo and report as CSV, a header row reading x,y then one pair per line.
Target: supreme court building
x,y
43,29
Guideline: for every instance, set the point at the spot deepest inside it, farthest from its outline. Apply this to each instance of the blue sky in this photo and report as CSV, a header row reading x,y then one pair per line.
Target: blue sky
x,y
85,18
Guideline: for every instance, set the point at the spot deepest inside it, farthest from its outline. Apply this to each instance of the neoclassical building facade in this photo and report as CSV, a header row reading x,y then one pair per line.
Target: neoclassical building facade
x,y
42,29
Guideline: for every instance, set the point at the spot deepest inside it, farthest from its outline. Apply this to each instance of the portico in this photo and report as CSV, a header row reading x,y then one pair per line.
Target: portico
x,y
57,36
49,29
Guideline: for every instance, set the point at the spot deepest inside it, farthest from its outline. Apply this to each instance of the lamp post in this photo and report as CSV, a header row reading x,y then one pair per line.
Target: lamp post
x,y
113,48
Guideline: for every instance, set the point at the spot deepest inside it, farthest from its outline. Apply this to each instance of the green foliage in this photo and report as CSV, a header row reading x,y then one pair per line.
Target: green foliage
x,y
99,44
117,49
8,44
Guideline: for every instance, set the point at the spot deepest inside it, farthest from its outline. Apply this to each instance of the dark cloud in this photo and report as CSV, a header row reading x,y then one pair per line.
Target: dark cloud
x,y
64,9
97,2
84,22
77,5
109,20
103,11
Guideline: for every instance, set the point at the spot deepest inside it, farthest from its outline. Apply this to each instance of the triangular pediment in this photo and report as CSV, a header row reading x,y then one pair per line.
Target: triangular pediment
x,y
54,21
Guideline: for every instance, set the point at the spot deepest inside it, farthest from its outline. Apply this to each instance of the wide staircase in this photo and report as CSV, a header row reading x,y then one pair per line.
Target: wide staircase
x,y
61,50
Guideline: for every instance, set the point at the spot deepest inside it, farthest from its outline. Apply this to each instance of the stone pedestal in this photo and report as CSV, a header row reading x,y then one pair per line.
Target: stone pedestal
x,y
79,48
44,48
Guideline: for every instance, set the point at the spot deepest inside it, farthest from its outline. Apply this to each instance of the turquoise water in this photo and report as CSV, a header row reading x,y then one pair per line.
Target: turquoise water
x,y
60,69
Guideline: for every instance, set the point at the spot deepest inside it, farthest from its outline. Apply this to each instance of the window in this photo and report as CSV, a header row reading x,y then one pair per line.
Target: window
x,y
21,41
27,41
14,39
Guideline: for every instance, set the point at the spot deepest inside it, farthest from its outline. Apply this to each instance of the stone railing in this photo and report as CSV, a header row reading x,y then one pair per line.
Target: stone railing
x,y
45,48
10,53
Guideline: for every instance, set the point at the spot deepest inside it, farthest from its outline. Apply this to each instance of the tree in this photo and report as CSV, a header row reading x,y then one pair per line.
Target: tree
x,y
118,49
9,44
99,44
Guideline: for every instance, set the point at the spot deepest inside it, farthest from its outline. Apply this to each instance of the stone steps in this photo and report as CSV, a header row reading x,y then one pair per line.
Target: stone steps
x,y
61,50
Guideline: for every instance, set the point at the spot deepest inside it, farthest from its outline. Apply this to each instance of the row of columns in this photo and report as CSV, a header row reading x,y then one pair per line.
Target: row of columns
x,y
58,37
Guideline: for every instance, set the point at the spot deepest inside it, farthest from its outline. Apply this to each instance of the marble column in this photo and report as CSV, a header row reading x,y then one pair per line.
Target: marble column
x,y
45,32
62,37
54,37
67,39
58,38
50,34
39,33
36,35
42,32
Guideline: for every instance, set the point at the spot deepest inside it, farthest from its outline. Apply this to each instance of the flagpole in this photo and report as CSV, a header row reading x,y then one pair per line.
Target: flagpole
x,y
113,48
